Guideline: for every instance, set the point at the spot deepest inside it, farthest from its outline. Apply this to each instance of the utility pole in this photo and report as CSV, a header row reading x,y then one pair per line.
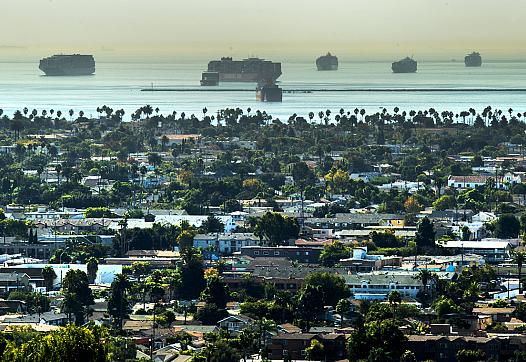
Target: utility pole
x,y
152,347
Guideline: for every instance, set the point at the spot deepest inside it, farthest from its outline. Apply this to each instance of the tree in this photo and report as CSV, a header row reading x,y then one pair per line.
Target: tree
x,y
332,286
118,304
49,276
425,234
344,308
411,205
221,351
507,226
122,349
315,351
185,240
62,345
333,253
425,276
213,225
310,303
192,274
408,356
394,298
276,228
445,202
210,314
78,296
468,355
444,305
385,335
337,180
518,258
303,177
216,292
386,239
520,312
92,266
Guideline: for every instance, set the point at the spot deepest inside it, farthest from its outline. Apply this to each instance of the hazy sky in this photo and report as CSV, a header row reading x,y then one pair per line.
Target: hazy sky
x,y
370,29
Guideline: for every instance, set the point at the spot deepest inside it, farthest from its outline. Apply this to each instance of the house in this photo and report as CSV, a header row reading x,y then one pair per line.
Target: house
x,y
12,306
445,348
13,281
362,262
496,314
170,140
350,221
49,318
225,243
471,182
299,254
484,217
493,251
292,346
378,285
235,323
40,250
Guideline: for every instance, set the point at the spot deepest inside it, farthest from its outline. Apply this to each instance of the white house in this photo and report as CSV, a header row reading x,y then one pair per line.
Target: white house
x,y
225,243
473,181
378,285
484,217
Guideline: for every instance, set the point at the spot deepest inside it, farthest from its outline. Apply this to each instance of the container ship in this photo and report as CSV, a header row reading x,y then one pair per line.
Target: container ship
x,y
473,60
406,65
269,92
247,70
327,62
61,65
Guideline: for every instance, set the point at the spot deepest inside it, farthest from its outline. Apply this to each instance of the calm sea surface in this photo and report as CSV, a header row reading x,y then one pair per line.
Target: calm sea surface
x,y
118,85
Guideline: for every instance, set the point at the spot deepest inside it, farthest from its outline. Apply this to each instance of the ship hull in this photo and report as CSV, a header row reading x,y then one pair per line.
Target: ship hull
x,y
327,67
59,72
473,63
403,68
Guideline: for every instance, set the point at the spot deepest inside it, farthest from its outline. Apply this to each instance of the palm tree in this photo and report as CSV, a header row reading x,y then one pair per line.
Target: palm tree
x,y
58,169
394,298
425,276
518,258
92,266
118,302
343,308
265,326
49,276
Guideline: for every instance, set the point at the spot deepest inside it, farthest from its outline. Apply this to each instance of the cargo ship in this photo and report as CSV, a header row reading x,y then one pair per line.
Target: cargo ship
x,y
74,64
246,70
406,65
269,92
473,60
210,79
327,62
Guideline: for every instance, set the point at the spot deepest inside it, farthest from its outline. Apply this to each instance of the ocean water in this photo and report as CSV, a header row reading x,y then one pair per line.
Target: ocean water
x,y
119,85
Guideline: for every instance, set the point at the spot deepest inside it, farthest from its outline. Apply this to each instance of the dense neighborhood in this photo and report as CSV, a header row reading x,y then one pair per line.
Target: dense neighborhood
x,y
393,236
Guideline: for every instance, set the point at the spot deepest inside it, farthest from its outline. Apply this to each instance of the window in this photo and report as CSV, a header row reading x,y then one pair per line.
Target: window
x,y
276,253
256,253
